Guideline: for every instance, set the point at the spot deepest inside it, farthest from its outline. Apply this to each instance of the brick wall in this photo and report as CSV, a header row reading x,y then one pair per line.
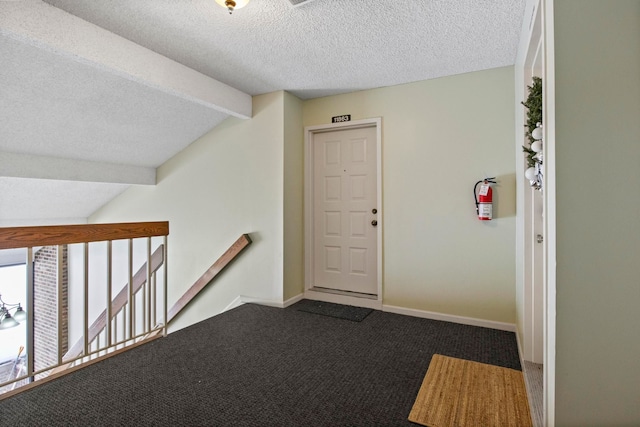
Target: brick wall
x,y
45,295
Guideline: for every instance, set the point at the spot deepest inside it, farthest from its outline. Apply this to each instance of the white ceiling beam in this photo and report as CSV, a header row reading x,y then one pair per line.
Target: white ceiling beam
x,y
16,165
47,27
13,257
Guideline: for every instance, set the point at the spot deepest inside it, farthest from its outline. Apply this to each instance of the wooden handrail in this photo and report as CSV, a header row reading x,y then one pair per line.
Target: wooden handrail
x,y
222,262
25,237
139,279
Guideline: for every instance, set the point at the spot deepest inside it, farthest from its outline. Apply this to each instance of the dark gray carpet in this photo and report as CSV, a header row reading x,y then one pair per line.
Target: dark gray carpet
x,y
263,366
339,311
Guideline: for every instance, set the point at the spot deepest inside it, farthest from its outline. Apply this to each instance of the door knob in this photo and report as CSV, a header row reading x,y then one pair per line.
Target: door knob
x,y
374,223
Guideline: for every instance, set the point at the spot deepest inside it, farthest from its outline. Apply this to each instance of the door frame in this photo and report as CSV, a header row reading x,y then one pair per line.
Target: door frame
x,y
536,50
339,297
534,206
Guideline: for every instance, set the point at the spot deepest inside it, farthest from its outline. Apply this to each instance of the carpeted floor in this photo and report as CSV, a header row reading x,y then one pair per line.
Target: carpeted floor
x,y
263,366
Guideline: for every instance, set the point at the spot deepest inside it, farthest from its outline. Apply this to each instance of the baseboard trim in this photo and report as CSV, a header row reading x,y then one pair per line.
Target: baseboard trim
x,y
377,305
510,327
293,300
243,299
520,350
261,301
237,302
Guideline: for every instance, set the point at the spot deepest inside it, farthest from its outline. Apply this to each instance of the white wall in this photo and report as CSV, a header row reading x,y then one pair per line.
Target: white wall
x,y
440,137
227,183
597,92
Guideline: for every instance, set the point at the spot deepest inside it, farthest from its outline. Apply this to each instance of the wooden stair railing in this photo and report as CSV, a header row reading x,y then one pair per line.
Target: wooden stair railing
x,y
139,279
225,259
121,299
35,236
56,235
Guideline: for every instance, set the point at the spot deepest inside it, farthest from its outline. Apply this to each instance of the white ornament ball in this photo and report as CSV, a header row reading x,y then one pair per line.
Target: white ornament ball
x,y
530,174
537,133
536,146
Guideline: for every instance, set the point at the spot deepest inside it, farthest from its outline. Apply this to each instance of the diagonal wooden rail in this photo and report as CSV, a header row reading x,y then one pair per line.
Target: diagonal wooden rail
x,y
236,248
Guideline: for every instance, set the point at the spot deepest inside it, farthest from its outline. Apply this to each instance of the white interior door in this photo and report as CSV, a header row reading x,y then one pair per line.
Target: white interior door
x,y
345,210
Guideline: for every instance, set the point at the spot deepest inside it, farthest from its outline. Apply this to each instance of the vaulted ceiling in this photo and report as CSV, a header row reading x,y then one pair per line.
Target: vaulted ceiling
x,y
94,96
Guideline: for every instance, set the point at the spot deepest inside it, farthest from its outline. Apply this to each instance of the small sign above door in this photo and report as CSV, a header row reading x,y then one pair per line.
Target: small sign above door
x,y
340,119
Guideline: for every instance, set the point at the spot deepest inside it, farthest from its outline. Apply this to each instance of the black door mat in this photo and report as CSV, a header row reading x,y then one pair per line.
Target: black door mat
x,y
339,311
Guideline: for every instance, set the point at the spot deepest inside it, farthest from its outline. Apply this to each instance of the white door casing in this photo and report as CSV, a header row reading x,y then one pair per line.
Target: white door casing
x,y
342,208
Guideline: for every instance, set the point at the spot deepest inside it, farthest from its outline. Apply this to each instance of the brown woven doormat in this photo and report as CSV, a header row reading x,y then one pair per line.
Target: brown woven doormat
x,y
463,393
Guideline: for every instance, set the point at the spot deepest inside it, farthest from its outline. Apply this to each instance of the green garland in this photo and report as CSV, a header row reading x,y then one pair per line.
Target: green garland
x,y
534,116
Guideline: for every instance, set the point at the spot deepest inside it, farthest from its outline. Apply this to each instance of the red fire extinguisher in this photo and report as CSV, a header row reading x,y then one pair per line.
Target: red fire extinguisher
x,y
484,199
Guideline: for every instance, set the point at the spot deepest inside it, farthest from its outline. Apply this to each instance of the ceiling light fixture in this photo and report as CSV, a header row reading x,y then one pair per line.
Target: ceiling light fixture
x,y
232,5
6,319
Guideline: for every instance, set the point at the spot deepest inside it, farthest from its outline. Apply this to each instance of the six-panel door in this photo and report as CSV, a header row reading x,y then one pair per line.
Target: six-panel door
x,y
344,210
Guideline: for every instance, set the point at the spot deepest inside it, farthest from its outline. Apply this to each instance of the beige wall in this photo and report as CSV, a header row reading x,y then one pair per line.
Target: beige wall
x,y
293,198
227,183
439,137
597,66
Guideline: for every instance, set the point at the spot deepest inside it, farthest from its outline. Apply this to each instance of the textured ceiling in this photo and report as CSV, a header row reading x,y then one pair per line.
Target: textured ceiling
x,y
321,47
39,191
84,107
73,83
